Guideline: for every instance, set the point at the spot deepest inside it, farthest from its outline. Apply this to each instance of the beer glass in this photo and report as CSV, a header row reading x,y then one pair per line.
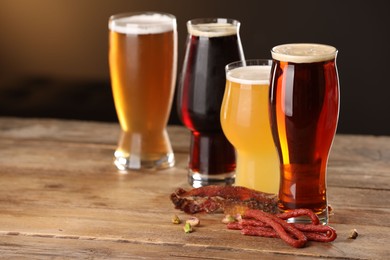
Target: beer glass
x,y
245,122
143,61
304,101
211,44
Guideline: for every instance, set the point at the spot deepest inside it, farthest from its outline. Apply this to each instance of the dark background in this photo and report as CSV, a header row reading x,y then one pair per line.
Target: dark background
x,y
53,53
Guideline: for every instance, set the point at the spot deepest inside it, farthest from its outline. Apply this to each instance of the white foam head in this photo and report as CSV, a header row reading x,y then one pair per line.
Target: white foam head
x,y
303,52
213,27
250,75
142,23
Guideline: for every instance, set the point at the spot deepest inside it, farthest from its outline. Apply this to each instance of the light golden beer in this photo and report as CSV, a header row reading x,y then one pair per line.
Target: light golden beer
x,y
142,59
245,122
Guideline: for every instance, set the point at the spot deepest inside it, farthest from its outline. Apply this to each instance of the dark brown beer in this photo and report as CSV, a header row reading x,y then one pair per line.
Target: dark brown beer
x,y
304,100
211,45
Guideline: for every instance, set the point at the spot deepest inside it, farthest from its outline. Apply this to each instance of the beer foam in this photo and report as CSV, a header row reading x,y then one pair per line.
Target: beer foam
x,y
303,52
152,23
212,29
250,75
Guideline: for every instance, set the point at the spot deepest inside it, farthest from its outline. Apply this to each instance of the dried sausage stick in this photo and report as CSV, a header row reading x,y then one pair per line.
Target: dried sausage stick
x,y
280,227
298,213
316,233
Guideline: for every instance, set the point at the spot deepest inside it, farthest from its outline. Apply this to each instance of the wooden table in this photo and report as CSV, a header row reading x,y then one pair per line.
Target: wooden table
x,y
61,197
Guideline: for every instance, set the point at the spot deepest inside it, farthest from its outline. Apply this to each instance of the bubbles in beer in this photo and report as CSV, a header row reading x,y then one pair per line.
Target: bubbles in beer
x,y
253,75
303,52
142,24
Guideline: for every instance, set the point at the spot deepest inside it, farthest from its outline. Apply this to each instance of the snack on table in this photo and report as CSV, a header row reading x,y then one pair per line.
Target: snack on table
x,y
257,211
228,199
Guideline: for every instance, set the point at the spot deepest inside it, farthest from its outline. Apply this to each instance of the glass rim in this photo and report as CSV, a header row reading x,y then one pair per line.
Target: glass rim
x,y
147,22
304,52
206,20
249,72
249,62
213,26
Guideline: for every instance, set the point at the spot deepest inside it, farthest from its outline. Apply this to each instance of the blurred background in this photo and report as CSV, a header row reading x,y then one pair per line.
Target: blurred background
x,y
53,53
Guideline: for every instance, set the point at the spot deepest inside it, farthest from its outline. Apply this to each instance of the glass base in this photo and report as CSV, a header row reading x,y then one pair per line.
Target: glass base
x,y
323,217
196,179
134,162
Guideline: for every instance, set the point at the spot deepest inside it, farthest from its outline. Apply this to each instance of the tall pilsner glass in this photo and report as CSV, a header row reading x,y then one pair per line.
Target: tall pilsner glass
x,y
143,61
211,44
304,101
245,122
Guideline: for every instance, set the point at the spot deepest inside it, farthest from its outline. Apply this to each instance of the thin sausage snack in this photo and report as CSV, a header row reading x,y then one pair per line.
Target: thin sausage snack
x,y
298,213
285,231
259,223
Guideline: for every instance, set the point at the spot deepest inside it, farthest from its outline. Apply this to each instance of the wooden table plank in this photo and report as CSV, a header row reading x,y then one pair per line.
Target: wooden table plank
x,y
61,196
37,248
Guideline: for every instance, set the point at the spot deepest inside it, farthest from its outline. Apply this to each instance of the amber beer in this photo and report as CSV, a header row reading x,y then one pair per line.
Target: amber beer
x,y
304,101
142,59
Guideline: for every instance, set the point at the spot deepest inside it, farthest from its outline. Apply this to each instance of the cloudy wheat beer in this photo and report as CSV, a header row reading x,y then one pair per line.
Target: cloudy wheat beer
x,y
142,59
304,100
245,122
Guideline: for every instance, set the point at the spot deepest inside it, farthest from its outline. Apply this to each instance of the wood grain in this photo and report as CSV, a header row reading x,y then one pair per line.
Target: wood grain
x,y
61,197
